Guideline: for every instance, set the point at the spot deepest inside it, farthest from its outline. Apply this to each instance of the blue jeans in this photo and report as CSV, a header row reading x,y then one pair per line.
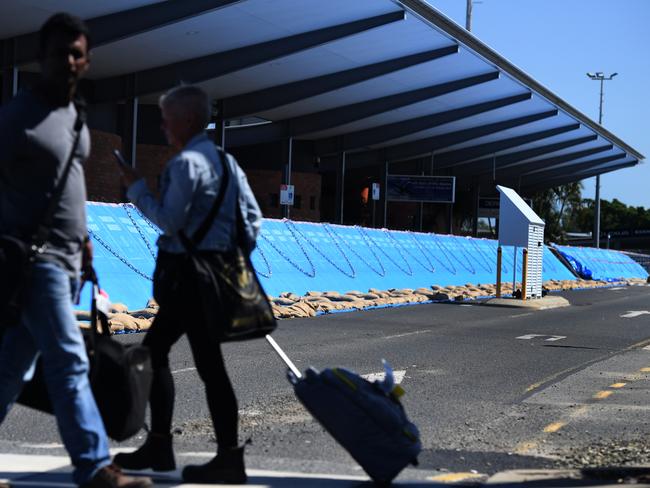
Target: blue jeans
x,y
49,329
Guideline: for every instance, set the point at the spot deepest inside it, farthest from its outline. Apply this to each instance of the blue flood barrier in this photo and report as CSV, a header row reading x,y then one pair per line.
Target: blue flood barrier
x,y
603,264
301,256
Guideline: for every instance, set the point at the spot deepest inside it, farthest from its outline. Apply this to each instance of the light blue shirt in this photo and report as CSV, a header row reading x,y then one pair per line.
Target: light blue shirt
x,y
189,185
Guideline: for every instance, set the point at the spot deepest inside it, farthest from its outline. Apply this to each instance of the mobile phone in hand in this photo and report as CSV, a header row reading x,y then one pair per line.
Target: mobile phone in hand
x,y
120,159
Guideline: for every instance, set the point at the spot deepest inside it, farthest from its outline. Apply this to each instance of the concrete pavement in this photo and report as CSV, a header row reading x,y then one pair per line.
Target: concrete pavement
x,y
43,471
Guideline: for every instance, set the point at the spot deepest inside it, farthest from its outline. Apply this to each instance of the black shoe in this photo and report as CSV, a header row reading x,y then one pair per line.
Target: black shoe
x,y
156,453
112,477
226,468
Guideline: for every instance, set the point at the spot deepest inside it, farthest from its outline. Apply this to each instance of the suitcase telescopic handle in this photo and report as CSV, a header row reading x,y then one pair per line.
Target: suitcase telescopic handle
x,y
283,356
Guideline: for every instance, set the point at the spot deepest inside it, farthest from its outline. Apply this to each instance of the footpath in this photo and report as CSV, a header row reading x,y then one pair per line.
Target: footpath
x,y
43,471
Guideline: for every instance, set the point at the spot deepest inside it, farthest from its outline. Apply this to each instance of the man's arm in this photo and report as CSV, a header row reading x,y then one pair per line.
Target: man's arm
x,y
249,208
170,212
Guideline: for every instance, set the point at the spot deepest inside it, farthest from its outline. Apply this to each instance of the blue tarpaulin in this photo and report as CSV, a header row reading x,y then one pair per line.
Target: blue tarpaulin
x,y
602,264
299,256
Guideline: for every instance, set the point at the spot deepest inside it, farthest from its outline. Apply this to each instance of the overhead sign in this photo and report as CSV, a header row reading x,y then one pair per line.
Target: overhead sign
x,y
432,189
286,194
626,233
375,191
489,207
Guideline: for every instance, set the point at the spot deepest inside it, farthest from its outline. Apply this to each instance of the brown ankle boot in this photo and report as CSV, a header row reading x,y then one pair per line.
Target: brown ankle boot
x,y
111,476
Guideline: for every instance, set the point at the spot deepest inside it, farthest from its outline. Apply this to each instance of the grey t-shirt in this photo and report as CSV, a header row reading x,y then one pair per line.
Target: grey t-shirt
x,y
35,142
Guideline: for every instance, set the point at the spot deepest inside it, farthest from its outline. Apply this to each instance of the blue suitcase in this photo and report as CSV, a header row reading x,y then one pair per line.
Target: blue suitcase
x,y
366,418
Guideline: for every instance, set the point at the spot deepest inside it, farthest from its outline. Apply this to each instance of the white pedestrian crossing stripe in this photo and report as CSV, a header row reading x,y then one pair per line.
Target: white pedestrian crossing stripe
x,y
635,313
550,338
398,375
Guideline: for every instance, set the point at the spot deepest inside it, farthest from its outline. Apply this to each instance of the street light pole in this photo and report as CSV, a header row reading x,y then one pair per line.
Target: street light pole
x,y
468,14
599,76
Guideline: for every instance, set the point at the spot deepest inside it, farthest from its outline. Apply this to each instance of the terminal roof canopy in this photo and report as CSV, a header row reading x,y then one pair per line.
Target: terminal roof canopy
x,y
382,80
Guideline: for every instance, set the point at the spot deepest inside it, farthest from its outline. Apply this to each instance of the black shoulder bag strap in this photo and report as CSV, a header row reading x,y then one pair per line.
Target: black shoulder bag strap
x,y
43,230
191,244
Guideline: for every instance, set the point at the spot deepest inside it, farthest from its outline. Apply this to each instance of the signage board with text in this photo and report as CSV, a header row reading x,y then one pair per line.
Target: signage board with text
x,y
411,188
375,191
286,194
489,207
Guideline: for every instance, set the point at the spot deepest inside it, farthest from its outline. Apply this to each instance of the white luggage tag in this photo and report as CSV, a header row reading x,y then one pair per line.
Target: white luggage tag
x,y
101,301
387,385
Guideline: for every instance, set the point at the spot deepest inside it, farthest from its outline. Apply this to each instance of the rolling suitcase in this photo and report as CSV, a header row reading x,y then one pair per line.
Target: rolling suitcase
x,y
366,418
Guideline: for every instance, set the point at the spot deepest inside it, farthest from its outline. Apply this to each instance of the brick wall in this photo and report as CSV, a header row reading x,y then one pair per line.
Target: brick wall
x,y
266,187
102,176
151,161
103,183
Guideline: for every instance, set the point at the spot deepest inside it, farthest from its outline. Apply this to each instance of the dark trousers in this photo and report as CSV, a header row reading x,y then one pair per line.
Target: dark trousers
x,y
182,314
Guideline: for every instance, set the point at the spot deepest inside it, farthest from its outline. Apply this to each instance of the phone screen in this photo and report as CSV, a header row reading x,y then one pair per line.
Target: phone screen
x,y
120,158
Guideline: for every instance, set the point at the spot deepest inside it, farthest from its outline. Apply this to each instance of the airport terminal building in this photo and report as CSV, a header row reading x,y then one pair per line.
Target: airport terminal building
x,y
381,113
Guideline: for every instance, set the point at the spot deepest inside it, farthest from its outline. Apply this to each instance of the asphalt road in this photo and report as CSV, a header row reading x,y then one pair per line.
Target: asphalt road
x,y
490,388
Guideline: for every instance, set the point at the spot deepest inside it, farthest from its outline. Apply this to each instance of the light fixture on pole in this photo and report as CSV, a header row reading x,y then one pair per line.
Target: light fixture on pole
x,y
468,14
599,76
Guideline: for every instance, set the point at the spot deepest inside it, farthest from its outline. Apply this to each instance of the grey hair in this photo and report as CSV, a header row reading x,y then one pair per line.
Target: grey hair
x,y
188,100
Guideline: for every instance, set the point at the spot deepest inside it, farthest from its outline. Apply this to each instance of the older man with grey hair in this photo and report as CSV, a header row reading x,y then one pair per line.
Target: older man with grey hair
x,y
189,185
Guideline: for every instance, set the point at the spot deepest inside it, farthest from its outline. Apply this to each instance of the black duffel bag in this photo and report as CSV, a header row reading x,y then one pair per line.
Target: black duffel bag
x,y
120,377
232,297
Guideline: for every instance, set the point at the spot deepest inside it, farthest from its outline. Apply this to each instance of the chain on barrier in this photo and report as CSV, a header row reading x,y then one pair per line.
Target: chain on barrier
x,y
482,263
431,269
452,270
311,274
409,272
294,230
381,272
128,206
471,268
137,227
147,221
117,255
268,266
443,248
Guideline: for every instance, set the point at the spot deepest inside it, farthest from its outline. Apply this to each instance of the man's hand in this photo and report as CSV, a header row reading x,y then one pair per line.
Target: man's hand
x,y
87,271
128,175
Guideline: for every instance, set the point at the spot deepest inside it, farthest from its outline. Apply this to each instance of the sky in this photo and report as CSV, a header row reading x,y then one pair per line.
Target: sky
x,y
557,42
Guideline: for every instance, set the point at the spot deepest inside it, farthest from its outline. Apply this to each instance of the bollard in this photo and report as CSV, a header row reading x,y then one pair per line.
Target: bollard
x,y
524,269
499,254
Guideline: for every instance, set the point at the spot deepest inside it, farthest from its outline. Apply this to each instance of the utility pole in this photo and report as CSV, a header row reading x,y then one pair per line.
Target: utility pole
x,y
599,76
468,14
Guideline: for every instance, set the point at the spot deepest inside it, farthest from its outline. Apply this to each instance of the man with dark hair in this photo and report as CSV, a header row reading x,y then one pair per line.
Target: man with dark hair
x,y
41,134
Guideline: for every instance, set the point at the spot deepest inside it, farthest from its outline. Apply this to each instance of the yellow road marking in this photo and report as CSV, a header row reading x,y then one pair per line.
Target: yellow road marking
x,y
454,477
525,447
534,386
602,394
554,427
618,385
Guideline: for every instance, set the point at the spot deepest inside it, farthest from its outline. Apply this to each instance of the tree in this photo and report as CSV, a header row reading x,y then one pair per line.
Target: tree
x,y
614,215
558,207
